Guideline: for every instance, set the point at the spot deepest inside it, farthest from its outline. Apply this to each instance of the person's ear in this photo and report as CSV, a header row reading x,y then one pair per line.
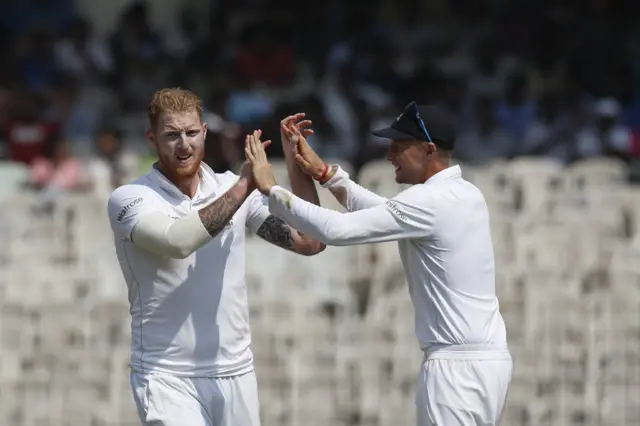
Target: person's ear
x,y
151,137
430,148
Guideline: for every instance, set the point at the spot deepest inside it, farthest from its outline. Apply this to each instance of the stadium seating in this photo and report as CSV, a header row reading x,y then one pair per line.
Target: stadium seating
x,y
333,334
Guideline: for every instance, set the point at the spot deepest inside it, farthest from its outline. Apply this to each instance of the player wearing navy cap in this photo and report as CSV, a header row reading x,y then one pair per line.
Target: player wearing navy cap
x,y
442,227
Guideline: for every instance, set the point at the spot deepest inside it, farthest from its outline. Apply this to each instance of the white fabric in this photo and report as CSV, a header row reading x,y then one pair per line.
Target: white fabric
x,y
177,239
189,316
349,194
167,400
463,388
445,246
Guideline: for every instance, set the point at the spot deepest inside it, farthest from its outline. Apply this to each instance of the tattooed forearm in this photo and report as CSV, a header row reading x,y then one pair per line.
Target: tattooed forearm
x,y
215,216
276,232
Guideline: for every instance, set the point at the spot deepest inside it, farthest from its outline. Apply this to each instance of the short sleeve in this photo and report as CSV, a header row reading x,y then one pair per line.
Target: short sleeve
x,y
258,211
127,205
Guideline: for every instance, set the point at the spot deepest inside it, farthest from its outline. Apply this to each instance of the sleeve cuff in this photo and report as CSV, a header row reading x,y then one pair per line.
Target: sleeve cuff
x,y
274,189
336,178
279,196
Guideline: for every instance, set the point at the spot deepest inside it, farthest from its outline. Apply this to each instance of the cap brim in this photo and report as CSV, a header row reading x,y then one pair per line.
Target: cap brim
x,y
391,133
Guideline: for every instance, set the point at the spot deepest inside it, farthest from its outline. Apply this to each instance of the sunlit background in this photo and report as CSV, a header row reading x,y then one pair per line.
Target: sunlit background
x,y
547,97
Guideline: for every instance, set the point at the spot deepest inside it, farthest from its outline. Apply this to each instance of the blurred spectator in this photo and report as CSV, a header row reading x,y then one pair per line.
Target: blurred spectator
x,y
324,140
606,136
134,38
180,40
113,165
138,83
340,96
36,60
246,104
224,144
516,111
83,55
271,126
359,60
484,141
543,136
454,95
222,152
56,172
487,77
18,15
264,56
26,134
79,114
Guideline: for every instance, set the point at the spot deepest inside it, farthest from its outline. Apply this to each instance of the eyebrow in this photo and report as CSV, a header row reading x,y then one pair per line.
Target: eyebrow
x,y
171,128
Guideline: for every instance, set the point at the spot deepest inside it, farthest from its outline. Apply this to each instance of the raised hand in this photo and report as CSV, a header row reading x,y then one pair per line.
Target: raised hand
x,y
263,177
294,121
305,156
246,171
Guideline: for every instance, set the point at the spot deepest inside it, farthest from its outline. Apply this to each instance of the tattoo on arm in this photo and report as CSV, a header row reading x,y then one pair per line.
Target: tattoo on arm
x,y
276,231
215,216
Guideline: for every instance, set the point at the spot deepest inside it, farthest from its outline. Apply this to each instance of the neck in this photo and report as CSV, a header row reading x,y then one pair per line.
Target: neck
x,y
436,167
188,185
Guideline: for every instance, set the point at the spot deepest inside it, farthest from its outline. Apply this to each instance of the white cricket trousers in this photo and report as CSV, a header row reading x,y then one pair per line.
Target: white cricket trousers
x,y
463,385
167,400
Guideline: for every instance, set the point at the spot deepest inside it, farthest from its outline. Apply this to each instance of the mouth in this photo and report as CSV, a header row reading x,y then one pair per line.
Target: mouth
x,y
396,168
183,157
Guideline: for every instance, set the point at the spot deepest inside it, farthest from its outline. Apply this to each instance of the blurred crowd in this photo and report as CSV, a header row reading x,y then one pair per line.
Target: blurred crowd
x,y
554,78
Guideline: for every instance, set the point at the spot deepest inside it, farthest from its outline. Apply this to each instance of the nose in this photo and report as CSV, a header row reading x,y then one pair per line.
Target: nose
x,y
182,141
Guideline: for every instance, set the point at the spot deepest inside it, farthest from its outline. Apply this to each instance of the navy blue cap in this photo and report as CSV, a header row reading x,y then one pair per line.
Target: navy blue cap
x,y
429,123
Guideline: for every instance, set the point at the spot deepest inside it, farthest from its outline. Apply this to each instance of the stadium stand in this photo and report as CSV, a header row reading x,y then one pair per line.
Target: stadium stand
x,y
340,348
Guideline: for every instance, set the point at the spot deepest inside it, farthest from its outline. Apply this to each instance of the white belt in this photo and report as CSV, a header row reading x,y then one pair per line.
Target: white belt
x,y
461,352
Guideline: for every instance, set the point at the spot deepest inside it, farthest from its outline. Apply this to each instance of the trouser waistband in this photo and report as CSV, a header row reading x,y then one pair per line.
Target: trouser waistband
x,y
471,352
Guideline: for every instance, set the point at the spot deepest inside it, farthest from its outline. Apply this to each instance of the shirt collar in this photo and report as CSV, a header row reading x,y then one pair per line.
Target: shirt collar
x,y
207,178
448,173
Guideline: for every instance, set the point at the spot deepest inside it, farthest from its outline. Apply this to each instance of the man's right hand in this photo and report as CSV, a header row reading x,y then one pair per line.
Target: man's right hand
x,y
290,122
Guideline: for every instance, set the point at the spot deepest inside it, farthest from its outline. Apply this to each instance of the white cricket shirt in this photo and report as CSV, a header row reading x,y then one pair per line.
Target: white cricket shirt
x,y
189,316
444,238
